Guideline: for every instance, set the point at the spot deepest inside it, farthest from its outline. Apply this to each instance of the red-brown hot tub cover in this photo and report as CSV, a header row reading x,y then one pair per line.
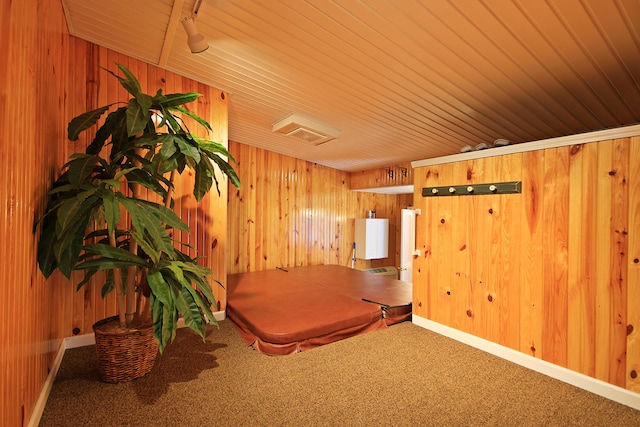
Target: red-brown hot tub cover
x,y
286,311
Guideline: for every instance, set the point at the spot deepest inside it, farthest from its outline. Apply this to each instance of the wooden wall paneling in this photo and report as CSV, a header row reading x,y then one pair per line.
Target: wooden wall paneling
x,y
314,217
32,72
510,303
442,291
390,176
303,215
481,216
502,294
530,253
246,207
462,290
305,187
602,297
582,258
13,360
290,177
269,200
218,224
560,272
421,271
484,214
618,241
288,180
253,235
632,374
555,216
306,209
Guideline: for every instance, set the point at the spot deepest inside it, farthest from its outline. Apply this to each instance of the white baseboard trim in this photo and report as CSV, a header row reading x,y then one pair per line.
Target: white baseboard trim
x,y
585,382
75,342
38,409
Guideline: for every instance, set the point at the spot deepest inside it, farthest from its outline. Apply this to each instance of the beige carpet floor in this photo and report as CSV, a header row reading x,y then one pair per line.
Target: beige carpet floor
x,y
401,376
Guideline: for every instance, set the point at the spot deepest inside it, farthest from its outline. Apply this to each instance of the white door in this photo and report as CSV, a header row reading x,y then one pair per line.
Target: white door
x,y
407,244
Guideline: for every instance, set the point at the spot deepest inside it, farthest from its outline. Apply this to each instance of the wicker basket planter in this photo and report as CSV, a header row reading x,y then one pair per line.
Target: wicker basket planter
x,y
124,355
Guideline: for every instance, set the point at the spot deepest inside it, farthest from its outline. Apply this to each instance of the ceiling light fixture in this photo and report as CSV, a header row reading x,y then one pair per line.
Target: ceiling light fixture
x,y
197,42
305,129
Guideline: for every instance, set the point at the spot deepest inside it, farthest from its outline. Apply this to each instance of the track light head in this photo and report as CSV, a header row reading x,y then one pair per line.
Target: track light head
x,y
196,41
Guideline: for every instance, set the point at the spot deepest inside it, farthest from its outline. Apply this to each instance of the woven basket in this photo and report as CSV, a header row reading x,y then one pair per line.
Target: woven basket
x,y
124,355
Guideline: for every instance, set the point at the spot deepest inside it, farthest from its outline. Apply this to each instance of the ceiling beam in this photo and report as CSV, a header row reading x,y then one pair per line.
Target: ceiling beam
x,y
170,34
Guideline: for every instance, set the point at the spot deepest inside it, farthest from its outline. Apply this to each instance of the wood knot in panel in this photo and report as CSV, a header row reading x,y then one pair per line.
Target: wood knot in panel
x,y
469,313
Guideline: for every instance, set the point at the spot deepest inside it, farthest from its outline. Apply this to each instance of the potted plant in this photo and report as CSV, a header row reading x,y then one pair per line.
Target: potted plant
x,y
97,220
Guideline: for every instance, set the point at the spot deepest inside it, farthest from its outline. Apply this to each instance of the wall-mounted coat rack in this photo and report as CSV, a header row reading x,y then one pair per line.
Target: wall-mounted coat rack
x,y
475,189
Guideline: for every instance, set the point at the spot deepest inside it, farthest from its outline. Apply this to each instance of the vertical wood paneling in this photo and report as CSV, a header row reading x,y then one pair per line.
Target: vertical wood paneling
x,y
531,252
442,302
425,270
555,216
47,79
504,297
32,119
582,258
295,213
552,271
632,377
618,241
383,177
462,290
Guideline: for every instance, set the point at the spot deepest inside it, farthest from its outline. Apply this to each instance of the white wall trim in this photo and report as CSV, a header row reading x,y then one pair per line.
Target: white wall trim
x,y
581,138
38,409
585,382
75,342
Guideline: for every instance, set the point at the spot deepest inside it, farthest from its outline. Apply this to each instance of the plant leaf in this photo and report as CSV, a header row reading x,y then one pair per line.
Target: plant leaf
x,y
46,254
71,222
189,308
137,116
175,99
186,148
144,178
203,181
80,169
130,83
111,210
109,285
167,147
113,121
84,121
194,116
159,287
151,235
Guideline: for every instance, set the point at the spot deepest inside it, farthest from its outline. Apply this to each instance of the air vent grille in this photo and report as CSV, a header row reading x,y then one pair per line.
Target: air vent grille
x,y
305,129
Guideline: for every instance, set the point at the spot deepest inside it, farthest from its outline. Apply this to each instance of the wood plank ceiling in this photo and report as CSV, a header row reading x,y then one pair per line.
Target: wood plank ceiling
x,y
402,80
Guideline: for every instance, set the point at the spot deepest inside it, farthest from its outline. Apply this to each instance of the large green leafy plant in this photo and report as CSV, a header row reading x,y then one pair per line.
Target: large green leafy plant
x,y
97,220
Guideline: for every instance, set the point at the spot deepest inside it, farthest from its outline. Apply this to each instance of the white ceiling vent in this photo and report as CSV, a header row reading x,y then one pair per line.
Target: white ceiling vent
x,y
305,129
